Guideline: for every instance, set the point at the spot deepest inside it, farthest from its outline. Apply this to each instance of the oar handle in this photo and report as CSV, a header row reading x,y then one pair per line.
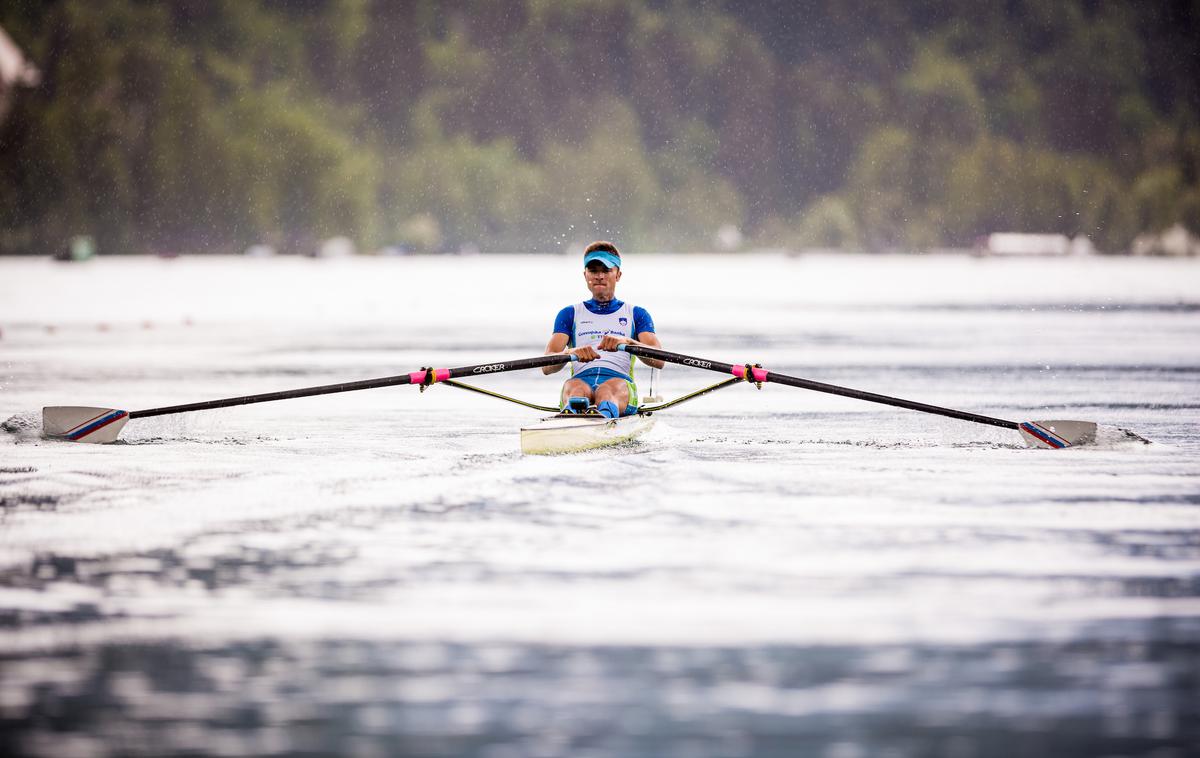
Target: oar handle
x,y
758,374
424,376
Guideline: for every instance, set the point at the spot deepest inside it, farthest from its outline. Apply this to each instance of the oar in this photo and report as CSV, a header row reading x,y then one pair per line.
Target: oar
x,y
1044,434
85,424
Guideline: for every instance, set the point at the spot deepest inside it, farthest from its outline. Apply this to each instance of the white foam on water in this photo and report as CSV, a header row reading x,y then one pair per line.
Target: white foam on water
x,y
22,426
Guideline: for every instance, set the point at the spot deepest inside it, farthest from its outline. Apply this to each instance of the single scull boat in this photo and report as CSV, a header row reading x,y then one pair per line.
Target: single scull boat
x,y
562,432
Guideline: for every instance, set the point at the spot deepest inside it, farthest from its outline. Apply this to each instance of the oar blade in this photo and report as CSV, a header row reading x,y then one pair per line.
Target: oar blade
x,y
83,424
1057,435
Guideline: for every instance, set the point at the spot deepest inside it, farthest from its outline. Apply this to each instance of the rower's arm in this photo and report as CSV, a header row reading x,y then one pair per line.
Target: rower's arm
x,y
558,344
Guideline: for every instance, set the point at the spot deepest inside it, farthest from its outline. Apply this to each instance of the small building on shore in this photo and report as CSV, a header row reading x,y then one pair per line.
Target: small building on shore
x,y
1019,244
1174,242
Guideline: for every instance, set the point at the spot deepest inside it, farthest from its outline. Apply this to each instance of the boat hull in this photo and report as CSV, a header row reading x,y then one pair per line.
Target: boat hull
x,y
572,433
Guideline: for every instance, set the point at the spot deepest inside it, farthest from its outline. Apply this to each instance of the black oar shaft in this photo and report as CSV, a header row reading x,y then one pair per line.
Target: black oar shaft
x,y
793,381
872,397
415,377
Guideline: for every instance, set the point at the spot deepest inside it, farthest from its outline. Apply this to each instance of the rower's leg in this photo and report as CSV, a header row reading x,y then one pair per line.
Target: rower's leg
x,y
576,393
612,397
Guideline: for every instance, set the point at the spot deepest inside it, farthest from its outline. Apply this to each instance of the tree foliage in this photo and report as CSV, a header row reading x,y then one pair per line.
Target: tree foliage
x,y
207,125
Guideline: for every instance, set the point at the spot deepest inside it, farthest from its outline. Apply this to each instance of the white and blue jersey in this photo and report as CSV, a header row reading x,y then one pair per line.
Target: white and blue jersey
x,y
589,322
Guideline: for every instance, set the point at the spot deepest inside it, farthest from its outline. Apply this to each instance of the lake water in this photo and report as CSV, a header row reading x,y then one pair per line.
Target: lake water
x,y
766,573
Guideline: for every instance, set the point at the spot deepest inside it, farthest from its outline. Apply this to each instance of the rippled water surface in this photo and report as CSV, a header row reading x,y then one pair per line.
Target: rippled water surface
x,y
767,573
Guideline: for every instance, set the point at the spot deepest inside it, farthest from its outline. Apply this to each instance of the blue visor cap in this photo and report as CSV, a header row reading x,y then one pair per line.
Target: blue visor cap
x,y
608,259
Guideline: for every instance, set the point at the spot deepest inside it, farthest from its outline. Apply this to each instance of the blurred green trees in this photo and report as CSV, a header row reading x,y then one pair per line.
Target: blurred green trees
x,y
208,125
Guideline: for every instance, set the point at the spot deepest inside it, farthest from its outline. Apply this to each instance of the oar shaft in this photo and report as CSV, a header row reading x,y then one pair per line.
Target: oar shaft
x,y
738,369
415,377
872,397
266,397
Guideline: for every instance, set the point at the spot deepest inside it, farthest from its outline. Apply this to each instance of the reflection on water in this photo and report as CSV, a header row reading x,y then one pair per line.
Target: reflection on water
x,y
1115,688
1100,696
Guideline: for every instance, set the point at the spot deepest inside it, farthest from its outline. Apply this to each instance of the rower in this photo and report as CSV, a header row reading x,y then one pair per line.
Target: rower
x,y
592,330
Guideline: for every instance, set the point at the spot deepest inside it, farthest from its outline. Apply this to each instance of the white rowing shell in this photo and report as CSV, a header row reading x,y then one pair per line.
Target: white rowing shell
x,y
570,434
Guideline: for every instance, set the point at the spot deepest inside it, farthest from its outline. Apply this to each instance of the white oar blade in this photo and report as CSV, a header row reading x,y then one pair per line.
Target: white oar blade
x,y
1057,434
82,424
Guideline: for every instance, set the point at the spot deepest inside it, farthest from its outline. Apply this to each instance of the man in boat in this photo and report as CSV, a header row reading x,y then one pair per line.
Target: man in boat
x,y
592,330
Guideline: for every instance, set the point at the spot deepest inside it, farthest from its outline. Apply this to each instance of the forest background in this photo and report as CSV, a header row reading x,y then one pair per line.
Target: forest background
x,y
531,125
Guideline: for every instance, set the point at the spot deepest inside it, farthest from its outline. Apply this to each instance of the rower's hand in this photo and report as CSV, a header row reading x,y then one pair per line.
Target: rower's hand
x,y
609,342
585,353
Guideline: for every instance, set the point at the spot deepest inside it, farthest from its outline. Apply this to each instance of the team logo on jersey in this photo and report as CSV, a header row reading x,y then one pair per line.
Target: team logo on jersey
x,y
623,321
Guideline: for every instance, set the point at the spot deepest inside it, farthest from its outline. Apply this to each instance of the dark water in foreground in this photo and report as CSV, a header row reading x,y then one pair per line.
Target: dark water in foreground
x,y
1094,697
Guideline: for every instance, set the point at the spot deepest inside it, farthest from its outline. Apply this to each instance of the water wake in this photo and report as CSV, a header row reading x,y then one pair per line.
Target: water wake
x,y
1115,437
24,427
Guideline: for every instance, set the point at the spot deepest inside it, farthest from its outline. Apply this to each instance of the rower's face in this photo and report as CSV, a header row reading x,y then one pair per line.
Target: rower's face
x,y
601,281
